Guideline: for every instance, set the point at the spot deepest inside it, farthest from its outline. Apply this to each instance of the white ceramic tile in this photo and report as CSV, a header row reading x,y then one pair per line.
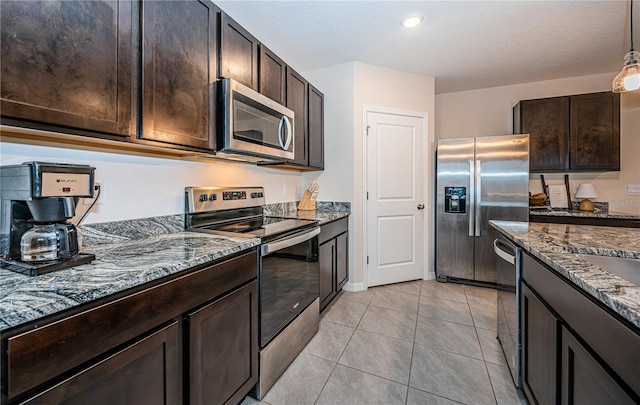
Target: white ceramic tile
x,y
389,322
302,382
353,387
379,355
330,341
449,336
451,375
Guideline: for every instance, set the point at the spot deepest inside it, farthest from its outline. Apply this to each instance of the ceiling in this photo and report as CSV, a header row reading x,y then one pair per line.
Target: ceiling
x,y
465,45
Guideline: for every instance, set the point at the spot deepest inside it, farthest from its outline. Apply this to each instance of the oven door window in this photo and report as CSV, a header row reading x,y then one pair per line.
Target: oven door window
x,y
289,283
260,125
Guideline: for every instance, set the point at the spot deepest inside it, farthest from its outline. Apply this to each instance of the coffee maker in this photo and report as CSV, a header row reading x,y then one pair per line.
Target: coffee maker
x,y
37,199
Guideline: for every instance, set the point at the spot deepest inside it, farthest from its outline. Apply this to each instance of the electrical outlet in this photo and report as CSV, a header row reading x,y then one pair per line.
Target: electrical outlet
x,y
98,191
633,189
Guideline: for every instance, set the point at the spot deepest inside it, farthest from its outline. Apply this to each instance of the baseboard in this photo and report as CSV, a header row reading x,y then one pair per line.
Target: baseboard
x,y
354,287
431,275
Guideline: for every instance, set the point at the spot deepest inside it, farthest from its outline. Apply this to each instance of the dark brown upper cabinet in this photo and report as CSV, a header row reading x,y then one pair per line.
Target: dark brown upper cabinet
x,y
595,132
316,128
547,123
273,75
238,53
297,102
179,69
68,64
571,133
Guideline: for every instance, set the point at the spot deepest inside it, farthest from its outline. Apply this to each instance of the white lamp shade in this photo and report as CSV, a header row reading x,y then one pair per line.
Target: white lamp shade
x,y
586,190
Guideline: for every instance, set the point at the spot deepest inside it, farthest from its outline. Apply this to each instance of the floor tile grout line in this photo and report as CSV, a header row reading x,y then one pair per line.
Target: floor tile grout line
x,y
493,391
413,346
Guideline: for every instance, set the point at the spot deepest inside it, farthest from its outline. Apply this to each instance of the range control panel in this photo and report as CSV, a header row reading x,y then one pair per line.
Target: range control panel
x,y
234,195
201,199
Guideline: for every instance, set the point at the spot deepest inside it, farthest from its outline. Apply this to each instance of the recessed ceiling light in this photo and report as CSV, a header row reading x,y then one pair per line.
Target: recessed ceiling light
x,y
411,21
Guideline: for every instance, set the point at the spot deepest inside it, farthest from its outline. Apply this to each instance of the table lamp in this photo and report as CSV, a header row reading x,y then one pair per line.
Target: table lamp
x,y
585,192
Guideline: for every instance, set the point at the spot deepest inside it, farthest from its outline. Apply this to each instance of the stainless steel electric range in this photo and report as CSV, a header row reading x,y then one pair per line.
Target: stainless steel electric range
x,y
288,275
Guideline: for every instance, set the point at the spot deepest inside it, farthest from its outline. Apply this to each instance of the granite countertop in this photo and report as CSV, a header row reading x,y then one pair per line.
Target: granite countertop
x,y
117,267
557,245
128,254
325,212
583,214
323,217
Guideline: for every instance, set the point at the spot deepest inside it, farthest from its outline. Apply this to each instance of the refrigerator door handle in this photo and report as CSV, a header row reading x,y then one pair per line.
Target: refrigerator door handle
x,y
478,196
472,192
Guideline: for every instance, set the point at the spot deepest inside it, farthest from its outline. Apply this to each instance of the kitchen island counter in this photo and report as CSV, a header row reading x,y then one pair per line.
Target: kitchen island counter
x,y
118,266
556,245
601,217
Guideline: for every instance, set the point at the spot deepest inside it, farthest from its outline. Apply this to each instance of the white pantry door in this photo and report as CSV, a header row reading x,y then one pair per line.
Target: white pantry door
x,y
395,165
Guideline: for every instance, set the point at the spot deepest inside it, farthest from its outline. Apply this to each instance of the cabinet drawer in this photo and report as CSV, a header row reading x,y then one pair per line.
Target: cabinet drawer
x,y
333,229
145,372
36,356
605,334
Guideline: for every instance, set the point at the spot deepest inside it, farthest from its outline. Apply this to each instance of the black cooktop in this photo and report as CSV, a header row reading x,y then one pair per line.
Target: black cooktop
x,y
265,228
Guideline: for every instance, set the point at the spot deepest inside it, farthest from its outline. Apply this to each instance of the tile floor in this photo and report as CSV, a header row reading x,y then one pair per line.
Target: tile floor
x,y
419,342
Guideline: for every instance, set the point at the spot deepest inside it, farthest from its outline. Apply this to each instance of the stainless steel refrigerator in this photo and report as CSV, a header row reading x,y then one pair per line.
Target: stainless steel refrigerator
x,y
478,179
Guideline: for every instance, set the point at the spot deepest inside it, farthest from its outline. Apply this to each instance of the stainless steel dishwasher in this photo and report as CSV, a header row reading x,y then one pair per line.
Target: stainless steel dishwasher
x,y
508,268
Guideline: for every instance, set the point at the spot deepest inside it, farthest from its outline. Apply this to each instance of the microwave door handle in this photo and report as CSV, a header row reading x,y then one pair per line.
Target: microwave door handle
x,y
280,132
289,133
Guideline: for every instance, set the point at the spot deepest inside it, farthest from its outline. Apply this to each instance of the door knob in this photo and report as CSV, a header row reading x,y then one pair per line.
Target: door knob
x,y
420,206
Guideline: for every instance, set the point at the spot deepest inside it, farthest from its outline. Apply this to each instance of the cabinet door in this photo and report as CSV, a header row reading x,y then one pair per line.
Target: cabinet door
x,y
595,132
273,75
342,260
547,123
540,334
223,348
584,381
68,64
297,102
238,53
316,128
179,60
145,372
326,261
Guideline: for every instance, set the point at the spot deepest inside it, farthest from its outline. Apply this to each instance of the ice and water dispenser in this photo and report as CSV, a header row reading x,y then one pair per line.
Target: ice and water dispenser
x,y
455,200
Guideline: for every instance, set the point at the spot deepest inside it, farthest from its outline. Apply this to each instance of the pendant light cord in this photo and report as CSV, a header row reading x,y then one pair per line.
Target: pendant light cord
x,y
631,24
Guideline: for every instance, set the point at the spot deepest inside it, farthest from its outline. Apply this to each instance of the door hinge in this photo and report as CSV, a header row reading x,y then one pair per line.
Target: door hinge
x,y
367,195
367,259
368,128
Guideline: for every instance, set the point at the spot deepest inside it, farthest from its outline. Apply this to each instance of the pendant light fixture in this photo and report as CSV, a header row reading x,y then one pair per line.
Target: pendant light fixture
x,y
629,78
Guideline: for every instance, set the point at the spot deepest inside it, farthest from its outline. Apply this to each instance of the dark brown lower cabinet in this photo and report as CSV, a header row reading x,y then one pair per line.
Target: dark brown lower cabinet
x,y
223,348
333,259
539,350
327,280
190,338
584,380
145,372
574,351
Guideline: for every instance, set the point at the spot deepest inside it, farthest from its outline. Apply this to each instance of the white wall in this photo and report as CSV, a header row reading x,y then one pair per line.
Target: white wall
x,y
140,187
348,88
489,112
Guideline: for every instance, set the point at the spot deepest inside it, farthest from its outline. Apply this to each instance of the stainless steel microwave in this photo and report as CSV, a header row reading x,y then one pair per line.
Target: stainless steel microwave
x,y
252,127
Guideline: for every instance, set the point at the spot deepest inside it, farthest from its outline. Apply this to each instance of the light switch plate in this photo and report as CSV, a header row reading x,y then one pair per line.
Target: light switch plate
x,y
633,189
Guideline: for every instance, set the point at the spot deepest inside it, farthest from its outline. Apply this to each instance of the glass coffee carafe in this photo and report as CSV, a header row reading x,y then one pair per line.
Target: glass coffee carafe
x,y
39,244
48,242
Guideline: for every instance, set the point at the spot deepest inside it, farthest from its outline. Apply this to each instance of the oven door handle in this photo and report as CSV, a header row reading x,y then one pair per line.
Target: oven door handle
x,y
291,241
